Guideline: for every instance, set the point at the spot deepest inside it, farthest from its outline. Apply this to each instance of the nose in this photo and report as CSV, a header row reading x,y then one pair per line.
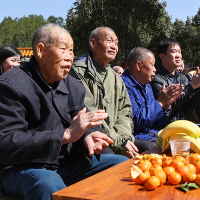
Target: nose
x,y
69,55
179,54
114,46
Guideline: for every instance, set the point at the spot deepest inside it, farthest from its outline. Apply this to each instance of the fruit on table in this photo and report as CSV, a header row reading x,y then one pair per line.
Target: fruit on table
x,y
180,129
157,175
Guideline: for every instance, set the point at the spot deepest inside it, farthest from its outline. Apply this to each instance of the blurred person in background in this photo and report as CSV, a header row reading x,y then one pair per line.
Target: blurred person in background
x,y
181,67
118,70
9,57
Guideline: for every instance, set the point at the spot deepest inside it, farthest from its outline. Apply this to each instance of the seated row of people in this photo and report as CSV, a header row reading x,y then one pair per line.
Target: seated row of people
x,y
56,131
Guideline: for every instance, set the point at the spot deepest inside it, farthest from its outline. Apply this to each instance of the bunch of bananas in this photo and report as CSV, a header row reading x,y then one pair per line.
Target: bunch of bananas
x,y
180,129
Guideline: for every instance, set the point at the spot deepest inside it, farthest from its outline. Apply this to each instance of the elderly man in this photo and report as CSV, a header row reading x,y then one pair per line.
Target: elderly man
x,y
47,137
147,112
187,105
106,90
118,70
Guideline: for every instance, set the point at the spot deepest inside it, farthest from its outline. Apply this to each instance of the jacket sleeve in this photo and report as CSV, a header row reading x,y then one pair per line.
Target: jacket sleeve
x,y
18,142
145,113
123,127
188,91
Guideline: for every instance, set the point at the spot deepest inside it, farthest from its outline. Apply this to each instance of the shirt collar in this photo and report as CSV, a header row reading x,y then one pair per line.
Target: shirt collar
x,y
133,81
163,71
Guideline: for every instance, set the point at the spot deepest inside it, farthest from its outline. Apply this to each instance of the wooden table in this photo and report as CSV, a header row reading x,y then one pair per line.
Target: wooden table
x,y
116,183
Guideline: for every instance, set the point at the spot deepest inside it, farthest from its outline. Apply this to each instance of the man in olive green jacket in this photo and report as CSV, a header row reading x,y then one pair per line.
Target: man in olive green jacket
x,y
105,89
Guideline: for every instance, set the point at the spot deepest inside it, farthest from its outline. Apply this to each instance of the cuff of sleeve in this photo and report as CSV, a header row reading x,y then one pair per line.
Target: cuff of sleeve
x,y
167,112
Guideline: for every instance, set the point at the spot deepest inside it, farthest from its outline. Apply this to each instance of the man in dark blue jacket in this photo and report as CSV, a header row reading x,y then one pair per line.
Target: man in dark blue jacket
x,y
147,112
48,140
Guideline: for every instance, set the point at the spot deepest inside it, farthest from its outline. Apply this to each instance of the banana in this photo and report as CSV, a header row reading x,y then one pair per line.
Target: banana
x,y
171,129
159,141
194,143
187,123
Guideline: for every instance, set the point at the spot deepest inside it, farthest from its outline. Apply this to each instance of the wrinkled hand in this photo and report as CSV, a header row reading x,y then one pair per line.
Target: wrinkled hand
x,y
81,122
96,142
130,150
195,82
168,95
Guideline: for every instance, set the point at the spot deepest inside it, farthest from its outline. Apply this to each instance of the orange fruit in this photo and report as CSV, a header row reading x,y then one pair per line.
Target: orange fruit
x,y
191,167
189,178
166,158
156,160
152,183
142,177
197,180
135,171
143,167
181,158
160,174
155,166
147,162
176,164
183,170
168,170
166,163
174,178
197,166
195,157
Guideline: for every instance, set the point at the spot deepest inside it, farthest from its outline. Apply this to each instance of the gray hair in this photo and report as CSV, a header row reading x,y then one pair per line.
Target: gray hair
x,y
45,34
137,54
98,32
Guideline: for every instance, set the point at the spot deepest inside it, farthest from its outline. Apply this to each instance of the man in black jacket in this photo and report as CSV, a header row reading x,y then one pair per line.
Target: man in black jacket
x,y
169,52
48,140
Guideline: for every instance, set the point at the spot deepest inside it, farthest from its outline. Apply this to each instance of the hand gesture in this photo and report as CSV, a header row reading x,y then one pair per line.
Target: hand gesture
x,y
81,122
130,150
168,95
195,82
96,142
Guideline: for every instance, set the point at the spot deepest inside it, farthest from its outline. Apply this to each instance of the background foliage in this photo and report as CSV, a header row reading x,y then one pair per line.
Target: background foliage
x,y
136,23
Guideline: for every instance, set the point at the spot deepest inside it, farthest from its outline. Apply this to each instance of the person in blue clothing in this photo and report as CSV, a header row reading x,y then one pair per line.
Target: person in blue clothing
x,y
148,113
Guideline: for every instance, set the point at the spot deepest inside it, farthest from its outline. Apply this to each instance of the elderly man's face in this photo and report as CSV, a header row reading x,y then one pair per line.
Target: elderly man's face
x,y
148,69
105,49
56,61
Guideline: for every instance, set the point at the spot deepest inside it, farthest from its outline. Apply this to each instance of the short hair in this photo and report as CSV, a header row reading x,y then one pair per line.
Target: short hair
x,y
137,54
164,44
45,34
97,33
7,51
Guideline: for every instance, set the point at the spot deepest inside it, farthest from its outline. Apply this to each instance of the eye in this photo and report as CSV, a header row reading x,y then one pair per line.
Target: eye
x,y
108,40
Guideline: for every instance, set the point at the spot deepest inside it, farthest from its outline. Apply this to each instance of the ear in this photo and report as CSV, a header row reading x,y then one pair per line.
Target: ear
x,y
138,65
162,56
40,49
92,43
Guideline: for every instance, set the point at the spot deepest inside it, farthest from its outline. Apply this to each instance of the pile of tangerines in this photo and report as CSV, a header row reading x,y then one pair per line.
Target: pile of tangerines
x,y
154,170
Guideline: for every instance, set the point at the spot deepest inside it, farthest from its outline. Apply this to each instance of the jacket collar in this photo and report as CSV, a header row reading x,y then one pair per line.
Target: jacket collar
x,y
163,71
132,81
39,79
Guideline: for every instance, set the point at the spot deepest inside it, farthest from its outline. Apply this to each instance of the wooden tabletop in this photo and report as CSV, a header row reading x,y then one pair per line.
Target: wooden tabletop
x,y
115,183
